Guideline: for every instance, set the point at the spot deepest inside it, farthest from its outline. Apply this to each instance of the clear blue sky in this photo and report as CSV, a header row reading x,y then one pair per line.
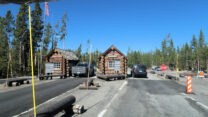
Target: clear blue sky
x,y
138,24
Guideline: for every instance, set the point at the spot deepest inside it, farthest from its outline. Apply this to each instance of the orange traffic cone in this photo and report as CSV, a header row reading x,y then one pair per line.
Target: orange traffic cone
x,y
189,84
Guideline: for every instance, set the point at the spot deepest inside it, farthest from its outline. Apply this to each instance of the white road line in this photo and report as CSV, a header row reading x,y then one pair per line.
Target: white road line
x,y
102,113
188,96
123,85
111,101
202,105
198,103
114,97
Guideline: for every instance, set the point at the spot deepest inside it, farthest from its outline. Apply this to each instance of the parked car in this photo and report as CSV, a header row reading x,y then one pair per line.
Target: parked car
x,y
82,69
157,69
139,70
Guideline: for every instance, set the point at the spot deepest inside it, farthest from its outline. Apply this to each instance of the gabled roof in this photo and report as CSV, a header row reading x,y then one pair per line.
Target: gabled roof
x,y
112,48
67,54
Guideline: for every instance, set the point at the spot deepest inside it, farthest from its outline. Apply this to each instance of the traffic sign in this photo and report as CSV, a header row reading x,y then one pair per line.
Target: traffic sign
x,y
163,67
200,74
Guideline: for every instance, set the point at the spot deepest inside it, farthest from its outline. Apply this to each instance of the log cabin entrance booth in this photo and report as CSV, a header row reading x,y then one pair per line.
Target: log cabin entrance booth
x,y
112,64
60,62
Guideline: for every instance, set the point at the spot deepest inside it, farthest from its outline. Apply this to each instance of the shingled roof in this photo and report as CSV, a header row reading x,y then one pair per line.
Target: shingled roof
x,y
67,54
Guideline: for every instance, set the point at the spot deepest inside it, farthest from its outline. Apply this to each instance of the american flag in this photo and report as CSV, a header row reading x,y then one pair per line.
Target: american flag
x,y
46,7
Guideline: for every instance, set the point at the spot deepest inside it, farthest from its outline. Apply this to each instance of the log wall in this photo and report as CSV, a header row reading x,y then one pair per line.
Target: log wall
x,y
111,56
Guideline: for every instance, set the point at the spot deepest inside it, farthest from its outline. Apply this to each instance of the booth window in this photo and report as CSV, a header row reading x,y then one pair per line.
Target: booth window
x,y
57,65
111,64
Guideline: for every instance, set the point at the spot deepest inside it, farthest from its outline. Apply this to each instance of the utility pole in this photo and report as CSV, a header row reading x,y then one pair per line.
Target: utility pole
x,y
89,65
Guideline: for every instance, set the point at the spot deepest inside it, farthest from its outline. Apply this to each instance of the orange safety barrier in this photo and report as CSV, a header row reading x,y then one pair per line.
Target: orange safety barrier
x,y
189,84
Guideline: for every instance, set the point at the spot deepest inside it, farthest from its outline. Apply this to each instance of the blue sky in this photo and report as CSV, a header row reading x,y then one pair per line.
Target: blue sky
x,y
138,24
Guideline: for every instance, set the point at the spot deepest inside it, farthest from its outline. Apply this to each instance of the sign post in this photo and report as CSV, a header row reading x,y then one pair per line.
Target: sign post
x,y
31,52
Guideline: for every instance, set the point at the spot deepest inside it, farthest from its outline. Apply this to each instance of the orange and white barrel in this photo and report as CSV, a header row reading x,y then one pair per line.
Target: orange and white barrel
x,y
189,84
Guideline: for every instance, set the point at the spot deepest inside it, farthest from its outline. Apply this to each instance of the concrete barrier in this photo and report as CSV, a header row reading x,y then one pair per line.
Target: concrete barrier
x,y
46,77
172,77
15,84
53,107
17,81
27,82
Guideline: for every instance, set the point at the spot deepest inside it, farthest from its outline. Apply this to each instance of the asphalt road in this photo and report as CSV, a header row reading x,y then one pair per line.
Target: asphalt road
x,y
17,101
142,97
154,98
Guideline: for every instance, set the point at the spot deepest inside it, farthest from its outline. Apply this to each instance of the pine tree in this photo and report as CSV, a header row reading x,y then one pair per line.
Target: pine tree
x,y
37,32
9,27
47,37
3,48
37,26
187,56
194,45
55,35
201,51
157,57
172,55
9,24
79,52
20,42
164,51
64,20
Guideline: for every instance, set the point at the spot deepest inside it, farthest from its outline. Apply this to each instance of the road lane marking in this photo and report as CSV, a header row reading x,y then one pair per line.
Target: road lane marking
x,y
111,101
102,113
188,96
122,86
197,102
202,105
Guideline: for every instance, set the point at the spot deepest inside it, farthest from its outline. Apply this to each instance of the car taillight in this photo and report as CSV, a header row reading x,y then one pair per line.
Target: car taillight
x,y
134,70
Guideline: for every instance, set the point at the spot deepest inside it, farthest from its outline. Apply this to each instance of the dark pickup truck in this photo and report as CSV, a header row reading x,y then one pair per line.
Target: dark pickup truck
x,y
81,69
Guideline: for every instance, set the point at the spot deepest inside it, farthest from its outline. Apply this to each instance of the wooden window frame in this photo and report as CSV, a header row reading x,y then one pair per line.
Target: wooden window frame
x,y
113,64
57,65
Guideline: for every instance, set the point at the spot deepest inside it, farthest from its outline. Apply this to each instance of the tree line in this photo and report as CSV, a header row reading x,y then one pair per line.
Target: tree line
x,y
85,56
192,55
14,40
